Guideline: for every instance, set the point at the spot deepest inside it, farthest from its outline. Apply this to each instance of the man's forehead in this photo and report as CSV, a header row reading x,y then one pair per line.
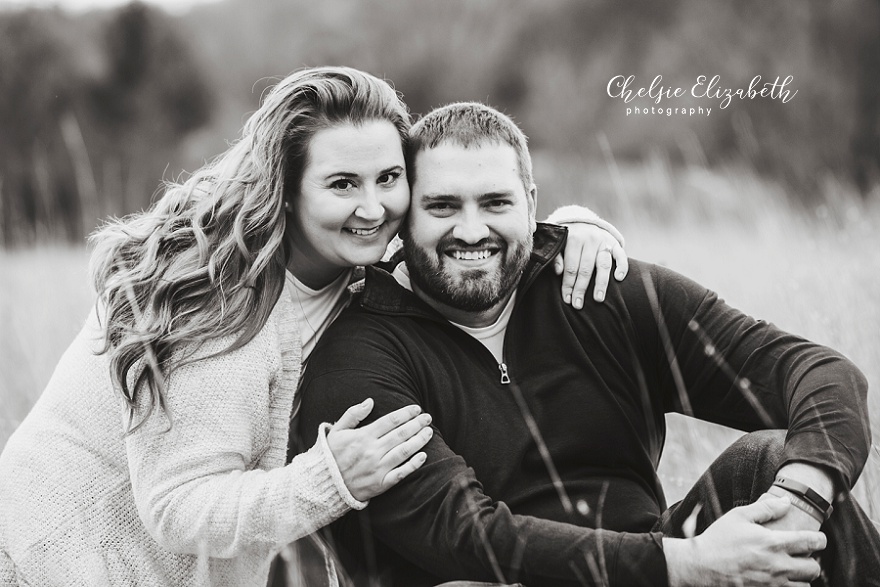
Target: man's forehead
x,y
449,158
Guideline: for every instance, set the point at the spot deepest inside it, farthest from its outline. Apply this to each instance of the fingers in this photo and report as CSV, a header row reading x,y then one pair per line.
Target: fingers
x,y
604,259
401,452
404,432
570,273
580,260
804,542
558,264
354,415
764,510
584,273
392,420
603,274
803,570
395,476
622,261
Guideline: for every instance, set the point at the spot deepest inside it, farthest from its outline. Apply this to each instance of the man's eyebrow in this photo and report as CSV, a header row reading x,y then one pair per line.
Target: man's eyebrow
x,y
494,195
441,198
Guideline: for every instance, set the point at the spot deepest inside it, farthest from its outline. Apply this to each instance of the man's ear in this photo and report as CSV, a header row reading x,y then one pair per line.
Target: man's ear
x,y
532,198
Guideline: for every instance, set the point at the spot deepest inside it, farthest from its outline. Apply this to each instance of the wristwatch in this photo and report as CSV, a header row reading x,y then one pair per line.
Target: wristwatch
x,y
807,494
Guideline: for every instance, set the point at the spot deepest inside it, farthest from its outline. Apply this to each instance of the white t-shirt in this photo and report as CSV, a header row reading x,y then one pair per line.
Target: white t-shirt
x,y
316,309
491,336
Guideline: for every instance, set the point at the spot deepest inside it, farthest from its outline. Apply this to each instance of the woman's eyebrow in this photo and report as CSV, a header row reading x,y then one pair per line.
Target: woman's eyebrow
x,y
352,175
345,174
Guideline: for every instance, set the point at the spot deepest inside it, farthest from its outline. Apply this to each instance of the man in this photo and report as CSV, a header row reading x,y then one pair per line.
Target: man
x,y
549,421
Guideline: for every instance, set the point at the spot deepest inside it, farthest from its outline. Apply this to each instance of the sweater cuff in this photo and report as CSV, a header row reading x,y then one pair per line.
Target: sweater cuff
x,y
574,214
333,469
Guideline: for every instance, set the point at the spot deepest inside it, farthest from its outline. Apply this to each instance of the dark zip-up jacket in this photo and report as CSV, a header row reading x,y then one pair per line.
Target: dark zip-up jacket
x,y
543,469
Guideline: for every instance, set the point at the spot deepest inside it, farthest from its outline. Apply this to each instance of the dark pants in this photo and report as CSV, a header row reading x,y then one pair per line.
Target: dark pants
x,y
743,473
740,476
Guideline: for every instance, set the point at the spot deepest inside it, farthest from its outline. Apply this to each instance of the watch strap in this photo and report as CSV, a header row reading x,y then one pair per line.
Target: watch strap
x,y
805,492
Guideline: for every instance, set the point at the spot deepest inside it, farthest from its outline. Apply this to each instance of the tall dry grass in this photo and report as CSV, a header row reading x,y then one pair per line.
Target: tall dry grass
x,y
814,270
815,273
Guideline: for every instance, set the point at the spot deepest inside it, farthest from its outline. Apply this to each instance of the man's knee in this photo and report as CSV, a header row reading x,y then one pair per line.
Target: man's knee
x,y
762,444
749,465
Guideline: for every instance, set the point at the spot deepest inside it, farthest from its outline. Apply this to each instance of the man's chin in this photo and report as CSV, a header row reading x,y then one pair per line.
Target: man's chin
x,y
463,277
471,302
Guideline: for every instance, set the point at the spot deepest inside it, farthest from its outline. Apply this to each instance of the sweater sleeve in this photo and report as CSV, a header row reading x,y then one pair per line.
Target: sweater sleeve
x,y
439,518
745,373
194,475
573,214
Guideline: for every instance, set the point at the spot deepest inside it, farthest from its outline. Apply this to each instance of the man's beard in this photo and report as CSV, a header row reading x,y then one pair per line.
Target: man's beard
x,y
474,290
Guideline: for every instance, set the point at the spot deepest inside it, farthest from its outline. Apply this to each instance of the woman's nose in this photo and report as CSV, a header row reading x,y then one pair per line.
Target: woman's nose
x,y
370,208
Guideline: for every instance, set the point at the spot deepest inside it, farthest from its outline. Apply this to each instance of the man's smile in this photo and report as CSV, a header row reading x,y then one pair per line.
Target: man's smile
x,y
471,255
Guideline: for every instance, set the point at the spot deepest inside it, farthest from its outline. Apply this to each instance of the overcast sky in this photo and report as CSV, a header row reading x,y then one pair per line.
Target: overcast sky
x,y
174,6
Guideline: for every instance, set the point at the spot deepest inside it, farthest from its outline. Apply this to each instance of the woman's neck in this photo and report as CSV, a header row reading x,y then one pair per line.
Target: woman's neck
x,y
308,269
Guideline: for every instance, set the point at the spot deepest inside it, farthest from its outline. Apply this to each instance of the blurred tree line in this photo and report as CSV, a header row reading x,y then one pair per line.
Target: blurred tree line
x,y
96,109
92,111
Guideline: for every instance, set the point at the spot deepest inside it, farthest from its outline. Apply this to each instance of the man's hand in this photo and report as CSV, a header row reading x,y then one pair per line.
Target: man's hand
x,y
738,551
794,519
588,247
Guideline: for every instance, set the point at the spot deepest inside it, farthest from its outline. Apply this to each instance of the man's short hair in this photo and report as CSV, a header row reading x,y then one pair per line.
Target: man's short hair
x,y
468,124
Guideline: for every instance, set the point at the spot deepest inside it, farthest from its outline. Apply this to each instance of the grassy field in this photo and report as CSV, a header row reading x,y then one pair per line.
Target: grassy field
x,y
819,279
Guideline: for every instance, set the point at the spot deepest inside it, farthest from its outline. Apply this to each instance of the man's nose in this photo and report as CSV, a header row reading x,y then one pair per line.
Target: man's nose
x,y
470,229
370,208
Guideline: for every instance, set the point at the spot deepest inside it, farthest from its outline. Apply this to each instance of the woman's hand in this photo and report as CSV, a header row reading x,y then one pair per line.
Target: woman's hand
x,y
376,457
588,247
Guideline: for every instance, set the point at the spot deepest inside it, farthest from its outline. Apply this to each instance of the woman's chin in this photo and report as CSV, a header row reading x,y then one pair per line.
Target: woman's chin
x,y
367,256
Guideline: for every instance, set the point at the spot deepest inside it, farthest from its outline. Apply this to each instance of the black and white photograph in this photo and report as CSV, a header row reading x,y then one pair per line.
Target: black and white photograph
x,y
458,293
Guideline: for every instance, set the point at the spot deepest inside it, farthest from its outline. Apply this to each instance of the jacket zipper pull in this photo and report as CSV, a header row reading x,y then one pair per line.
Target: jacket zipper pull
x,y
505,378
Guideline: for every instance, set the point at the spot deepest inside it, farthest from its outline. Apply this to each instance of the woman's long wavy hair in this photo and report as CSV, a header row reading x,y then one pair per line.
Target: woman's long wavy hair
x,y
208,259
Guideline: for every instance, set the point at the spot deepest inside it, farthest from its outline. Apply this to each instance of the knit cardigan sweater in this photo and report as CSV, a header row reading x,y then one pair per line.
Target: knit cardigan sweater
x,y
204,498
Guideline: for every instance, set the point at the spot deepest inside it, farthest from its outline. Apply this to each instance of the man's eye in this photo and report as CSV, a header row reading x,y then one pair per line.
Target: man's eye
x,y
389,178
439,206
342,185
494,204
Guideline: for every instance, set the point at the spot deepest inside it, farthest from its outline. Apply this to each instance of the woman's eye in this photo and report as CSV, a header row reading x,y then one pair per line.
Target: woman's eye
x,y
389,178
342,185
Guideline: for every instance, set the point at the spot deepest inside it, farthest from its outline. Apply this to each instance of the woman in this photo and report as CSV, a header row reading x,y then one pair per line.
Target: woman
x,y
156,454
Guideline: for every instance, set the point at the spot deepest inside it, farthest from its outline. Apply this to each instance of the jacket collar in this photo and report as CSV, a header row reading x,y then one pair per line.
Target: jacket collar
x,y
384,295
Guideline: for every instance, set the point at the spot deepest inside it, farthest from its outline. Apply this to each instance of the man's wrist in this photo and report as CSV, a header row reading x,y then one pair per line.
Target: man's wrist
x,y
798,502
803,497
817,478
679,553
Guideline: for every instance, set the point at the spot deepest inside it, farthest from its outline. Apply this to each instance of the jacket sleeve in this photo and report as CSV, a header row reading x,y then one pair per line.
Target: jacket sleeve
x,y
745,373
573,214
439,518
194,475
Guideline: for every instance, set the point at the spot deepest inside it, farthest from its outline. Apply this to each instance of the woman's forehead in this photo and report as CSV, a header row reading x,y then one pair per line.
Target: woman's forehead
x,y
368,145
